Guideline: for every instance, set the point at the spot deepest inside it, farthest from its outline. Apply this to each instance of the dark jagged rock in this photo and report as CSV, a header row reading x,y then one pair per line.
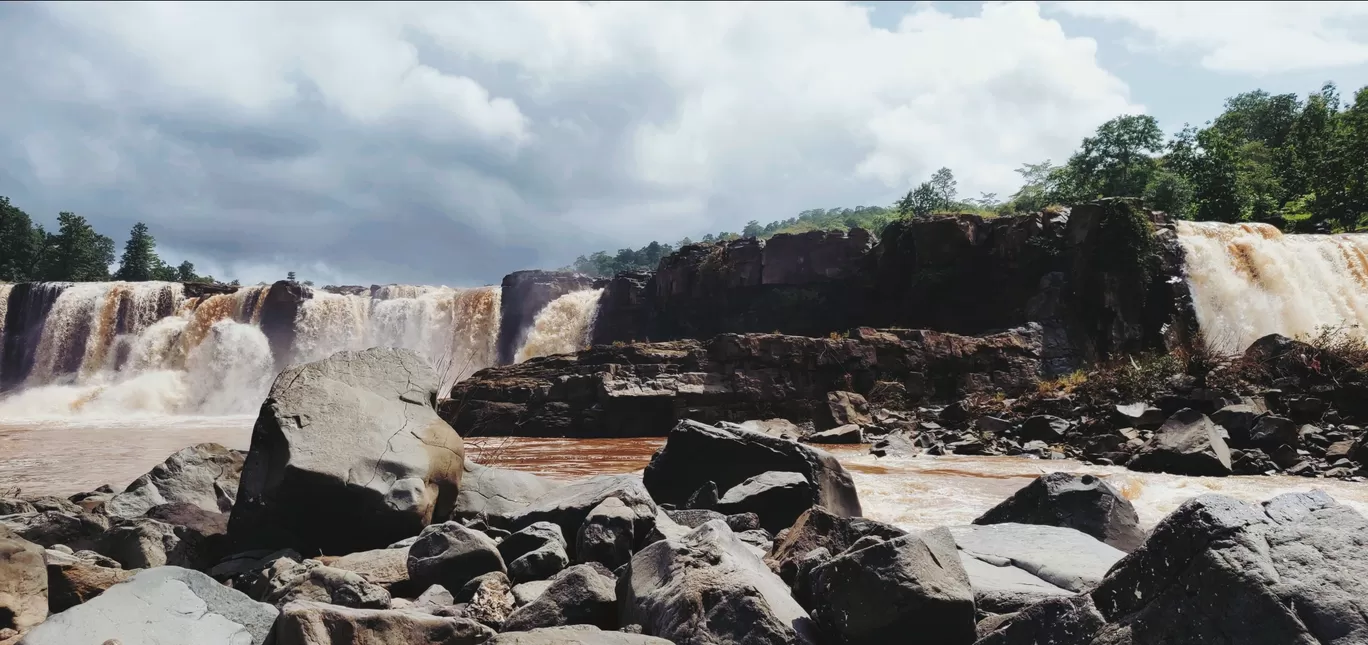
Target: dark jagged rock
x,y
1081,502
569,505
1219,570
607,534
1187,444
524,294
347,455
886,591
279,308
708,587
77,530
844,408
776,497
694,518
695,453
536,552
287,581
645,389
580,595
627,310
451,555
820,529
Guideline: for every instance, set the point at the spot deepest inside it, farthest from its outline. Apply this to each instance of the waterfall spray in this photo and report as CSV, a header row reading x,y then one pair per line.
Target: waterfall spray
x,y
1250,280
563,326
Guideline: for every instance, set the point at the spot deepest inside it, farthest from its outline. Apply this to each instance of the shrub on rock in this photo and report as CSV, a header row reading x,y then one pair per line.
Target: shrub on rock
x,y
348,454
1082,502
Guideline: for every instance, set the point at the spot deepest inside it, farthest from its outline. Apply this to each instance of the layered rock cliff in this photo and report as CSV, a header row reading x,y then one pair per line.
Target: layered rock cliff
x,y
643,389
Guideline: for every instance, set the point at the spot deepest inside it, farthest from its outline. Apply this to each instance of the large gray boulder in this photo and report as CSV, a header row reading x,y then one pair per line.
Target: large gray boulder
x,y
1013,565
607,535
287,581
695,453
305,622
205,475
451,555
1288,572
583,594
709,587
1187,444
78,530
161,606
776,497
1082,502
385,567
23,583
569,504
574,635
348,454
496,494
890,590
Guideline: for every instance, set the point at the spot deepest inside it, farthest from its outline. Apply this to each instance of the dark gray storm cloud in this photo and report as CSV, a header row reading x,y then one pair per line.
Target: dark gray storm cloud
x,y
359,143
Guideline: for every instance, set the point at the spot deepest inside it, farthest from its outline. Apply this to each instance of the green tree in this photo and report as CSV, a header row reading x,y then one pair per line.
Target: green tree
x,y
290,276
943,186
21,244
139,262
1169,192
1039,186
752,229
76,253
1117,161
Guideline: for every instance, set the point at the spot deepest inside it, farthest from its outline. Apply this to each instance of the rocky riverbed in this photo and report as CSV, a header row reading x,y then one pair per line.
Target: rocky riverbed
x,y
355,517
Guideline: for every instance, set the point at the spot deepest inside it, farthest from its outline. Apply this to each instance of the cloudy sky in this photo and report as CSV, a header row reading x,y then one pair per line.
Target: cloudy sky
x,y
452,143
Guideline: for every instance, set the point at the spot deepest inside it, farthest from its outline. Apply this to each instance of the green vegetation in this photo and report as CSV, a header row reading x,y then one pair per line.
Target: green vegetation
x,y
1300,163
78,253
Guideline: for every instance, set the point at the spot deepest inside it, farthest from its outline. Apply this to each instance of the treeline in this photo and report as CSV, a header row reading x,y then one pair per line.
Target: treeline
x,y
1301,163
76,252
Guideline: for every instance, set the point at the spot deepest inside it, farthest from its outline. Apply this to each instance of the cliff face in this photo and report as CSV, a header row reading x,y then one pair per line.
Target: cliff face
x,y
643,389
524,294
1097,279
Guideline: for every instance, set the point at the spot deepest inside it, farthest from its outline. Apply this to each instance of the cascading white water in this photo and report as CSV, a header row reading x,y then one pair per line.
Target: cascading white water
x,y
563,326
4,309
455,329
1250,280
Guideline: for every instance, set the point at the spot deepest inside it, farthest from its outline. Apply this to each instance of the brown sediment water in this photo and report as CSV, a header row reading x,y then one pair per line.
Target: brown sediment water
x,y
64,457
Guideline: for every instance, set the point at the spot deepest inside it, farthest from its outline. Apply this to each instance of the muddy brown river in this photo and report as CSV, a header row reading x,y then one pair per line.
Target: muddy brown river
x,y
72,455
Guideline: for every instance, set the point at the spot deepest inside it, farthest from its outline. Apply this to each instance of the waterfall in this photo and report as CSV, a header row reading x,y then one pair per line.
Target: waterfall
x,y
145,349
455,329
563,326
1250,280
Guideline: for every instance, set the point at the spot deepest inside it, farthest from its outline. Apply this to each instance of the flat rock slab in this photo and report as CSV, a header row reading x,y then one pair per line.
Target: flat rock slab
x,y
161,606
1065,558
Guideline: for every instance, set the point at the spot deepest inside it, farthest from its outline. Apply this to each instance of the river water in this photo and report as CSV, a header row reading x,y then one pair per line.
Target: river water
x,y
68,456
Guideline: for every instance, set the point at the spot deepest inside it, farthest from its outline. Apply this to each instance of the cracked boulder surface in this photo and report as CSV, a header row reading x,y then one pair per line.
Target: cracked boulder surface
x,y
205,475
347,454
1289,571
161,606
709,587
